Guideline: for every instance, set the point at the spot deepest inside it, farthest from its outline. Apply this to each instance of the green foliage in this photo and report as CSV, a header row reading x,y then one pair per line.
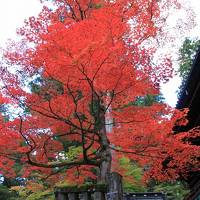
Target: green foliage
x,y
7,194
35,88
45,87
45,195
142,101
9,182
136,173
173,190
35,85
22,192
73,152
148,100
4,110
186,55
67,144
26,193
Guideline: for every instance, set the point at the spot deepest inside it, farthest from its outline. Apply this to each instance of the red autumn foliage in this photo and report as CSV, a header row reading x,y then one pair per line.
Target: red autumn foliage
x,y
89,66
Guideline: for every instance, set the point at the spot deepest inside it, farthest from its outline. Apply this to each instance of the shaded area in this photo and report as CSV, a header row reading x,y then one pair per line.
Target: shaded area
x,y
190,98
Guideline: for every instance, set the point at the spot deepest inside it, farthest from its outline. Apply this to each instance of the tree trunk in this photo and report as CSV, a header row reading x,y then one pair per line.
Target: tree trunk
x,y
104,152
105,167
114,180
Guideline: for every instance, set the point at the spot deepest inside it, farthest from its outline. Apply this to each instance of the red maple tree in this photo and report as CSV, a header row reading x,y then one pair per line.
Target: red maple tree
x,y
79,72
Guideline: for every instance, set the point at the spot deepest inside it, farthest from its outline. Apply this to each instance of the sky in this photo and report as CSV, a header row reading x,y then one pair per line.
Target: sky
x,y
13,13
170,89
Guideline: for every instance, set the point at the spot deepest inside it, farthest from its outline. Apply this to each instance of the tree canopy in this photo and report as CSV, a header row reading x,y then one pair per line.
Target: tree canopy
x,y
73,83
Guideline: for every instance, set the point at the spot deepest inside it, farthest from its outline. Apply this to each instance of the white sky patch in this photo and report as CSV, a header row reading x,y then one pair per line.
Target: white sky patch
x,y
14,12
12,15
170,89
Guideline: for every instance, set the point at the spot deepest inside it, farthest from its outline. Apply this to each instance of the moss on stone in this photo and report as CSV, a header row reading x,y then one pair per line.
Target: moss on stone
x,y
100,187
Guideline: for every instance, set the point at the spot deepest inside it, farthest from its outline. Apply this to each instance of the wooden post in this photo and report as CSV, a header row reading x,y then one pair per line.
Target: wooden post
x,y
115,191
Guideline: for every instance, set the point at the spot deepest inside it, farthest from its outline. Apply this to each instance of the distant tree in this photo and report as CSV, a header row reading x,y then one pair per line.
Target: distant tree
x,y
186,57
133,181
173,190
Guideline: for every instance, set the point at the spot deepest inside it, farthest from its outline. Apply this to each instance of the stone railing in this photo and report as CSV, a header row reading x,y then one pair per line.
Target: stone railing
x,y
81,192
110,191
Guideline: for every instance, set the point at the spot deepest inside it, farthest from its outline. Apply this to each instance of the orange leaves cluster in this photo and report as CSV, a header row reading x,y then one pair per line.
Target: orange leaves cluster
x,y
92,61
